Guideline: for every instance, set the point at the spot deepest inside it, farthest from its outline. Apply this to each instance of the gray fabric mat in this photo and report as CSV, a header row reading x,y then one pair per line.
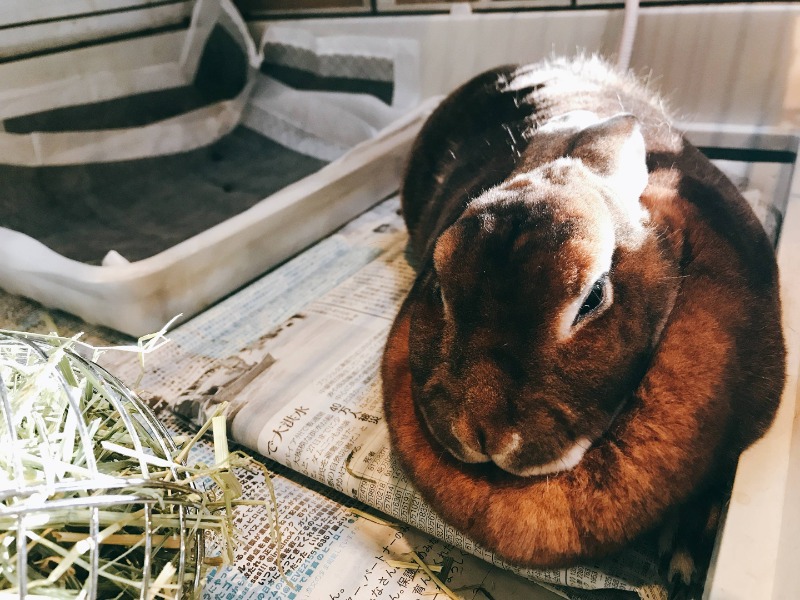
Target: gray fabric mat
x,y
142,207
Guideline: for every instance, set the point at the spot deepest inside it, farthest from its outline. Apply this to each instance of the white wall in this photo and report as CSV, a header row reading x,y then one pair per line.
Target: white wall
x,y
724,63
733,63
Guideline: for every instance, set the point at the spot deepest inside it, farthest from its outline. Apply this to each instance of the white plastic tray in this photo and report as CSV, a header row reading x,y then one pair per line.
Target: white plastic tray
x,y
140,297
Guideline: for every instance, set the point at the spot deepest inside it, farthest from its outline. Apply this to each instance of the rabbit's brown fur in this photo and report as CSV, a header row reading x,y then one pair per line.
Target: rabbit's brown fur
x,y
497,376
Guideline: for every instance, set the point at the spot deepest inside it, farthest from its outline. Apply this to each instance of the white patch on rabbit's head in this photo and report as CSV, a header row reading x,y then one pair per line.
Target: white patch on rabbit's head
x,y
614,150
588,254
574,120
607,155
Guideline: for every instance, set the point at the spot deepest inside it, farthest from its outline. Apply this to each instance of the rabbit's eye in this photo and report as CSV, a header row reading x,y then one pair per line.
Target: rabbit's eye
x,y
593,300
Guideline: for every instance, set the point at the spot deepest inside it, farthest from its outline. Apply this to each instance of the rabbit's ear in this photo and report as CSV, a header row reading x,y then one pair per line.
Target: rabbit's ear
x,y
614,149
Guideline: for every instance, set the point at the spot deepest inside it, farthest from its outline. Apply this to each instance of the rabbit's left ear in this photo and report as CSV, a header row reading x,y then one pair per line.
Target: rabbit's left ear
x,y
614,150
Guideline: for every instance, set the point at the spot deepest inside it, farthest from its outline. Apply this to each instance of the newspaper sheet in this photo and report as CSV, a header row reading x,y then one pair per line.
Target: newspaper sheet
x,y
332,548
297,355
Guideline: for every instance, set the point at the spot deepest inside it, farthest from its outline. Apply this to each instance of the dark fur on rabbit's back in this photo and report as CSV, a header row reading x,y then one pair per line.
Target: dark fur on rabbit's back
x,y
668,376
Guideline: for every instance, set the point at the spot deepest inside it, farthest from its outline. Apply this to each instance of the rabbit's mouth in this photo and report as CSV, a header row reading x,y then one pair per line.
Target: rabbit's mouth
x,y
511,458
510,454
508,459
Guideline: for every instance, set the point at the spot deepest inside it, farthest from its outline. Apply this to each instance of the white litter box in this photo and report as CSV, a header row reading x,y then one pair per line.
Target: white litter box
x,y
143,179
140,297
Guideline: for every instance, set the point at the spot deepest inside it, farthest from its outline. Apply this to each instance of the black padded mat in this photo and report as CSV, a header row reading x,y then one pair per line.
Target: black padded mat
x,y
142,207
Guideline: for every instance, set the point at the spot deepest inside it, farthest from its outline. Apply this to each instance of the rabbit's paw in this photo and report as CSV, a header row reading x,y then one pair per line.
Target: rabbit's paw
x,y
685,545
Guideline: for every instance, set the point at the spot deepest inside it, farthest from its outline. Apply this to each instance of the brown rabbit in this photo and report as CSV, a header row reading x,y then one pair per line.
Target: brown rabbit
x,y
594,333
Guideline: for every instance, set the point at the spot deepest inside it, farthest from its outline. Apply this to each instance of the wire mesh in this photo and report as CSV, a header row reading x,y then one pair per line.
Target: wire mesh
x,y
77,518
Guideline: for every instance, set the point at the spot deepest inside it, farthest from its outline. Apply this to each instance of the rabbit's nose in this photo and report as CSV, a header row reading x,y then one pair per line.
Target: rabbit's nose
x,y
492,442
447,421
486,436
471,441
